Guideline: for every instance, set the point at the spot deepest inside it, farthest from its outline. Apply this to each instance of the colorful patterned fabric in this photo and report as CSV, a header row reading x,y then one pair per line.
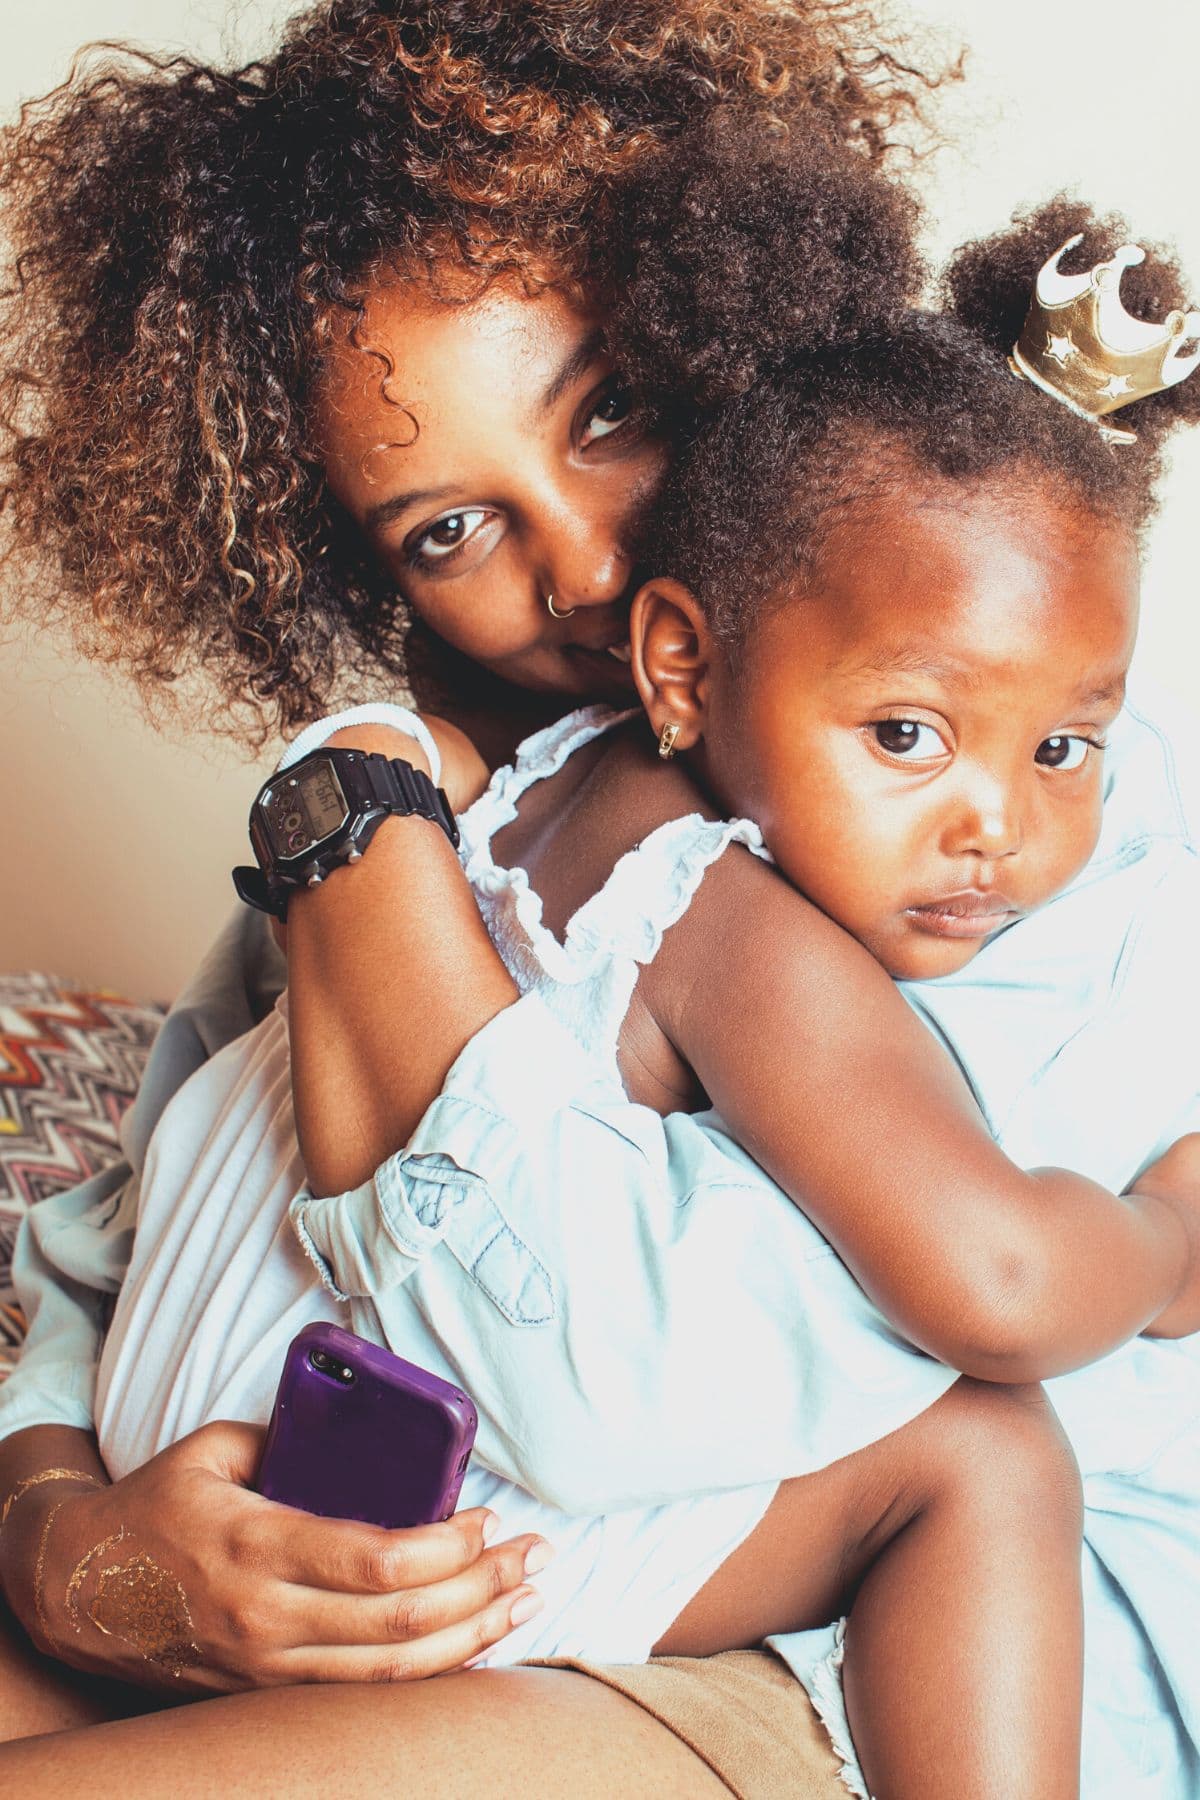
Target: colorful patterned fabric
x,y
70,1063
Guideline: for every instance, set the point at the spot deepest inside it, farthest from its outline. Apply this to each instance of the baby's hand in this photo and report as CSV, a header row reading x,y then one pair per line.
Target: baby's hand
x,y
1175,1179
464,772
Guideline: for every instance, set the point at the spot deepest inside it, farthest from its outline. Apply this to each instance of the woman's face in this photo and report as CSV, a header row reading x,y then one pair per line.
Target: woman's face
x,y
501,461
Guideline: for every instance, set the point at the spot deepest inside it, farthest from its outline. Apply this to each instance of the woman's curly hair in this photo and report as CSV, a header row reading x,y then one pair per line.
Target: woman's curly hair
x,y
182,238
802,399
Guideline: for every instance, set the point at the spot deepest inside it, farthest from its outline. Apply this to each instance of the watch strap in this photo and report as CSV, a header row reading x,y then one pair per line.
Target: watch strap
x,y
401,789
252,886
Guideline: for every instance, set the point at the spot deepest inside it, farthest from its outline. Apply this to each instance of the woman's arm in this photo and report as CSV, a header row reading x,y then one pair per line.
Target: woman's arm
x,y
72,1250
265,1586
825,1075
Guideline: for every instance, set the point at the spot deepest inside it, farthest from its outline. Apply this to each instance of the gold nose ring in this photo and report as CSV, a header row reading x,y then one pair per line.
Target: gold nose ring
x,y
553,610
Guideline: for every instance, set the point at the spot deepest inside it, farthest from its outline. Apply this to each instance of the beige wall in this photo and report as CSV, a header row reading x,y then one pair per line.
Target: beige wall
x,y
115,859
118,840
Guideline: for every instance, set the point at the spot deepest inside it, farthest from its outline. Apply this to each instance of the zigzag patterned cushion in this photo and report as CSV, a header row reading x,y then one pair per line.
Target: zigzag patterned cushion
x,y
70,1063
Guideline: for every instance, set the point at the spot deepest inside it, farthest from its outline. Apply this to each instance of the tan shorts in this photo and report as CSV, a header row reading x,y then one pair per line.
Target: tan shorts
x,y
743,1713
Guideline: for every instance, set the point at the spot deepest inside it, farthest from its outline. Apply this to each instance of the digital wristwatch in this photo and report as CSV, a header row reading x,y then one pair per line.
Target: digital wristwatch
x,y
322,812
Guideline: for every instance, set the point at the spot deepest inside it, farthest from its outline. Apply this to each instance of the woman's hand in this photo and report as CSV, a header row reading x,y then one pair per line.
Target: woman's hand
x,y
1174,1179
180,1577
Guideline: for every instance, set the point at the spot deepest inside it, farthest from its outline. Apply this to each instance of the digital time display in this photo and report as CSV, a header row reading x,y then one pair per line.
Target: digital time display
x,y
305,809
323,799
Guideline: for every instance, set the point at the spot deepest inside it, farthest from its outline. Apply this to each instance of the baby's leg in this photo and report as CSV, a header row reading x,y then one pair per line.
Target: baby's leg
x,y
954,1546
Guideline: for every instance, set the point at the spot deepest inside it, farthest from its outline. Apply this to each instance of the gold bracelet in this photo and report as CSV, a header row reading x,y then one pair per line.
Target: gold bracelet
x,y
32,1481
39,1579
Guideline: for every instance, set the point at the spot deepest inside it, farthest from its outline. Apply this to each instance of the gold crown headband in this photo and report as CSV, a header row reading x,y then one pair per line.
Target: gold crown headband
x,y
1079,345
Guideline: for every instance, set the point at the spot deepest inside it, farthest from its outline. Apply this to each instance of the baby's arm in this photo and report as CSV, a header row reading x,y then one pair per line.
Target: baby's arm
x,y
389,969
1175,1178
824,1074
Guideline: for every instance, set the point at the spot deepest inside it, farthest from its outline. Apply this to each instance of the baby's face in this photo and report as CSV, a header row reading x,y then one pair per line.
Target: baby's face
x,y
920,736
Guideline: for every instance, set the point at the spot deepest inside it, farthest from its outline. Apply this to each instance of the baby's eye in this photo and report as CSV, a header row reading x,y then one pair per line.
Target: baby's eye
x,y
1063,752
446,535
615,408
906,737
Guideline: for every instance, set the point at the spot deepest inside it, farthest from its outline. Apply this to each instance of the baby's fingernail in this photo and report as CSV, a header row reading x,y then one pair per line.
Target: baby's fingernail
x,y
526,1608
537,1556
491,1528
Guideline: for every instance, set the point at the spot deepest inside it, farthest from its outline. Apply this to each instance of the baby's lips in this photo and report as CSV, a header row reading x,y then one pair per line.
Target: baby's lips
x,y
966,903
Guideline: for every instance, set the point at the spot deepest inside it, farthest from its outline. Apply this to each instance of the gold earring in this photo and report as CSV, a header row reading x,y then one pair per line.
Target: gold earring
x,y
553,610
666,741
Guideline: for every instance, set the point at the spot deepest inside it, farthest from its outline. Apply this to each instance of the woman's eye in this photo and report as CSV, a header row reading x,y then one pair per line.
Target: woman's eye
x,y
905,737
1063,752
614,409
446,535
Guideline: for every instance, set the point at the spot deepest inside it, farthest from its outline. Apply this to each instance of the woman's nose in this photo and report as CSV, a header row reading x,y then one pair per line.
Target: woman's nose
x,y
592,572
586,560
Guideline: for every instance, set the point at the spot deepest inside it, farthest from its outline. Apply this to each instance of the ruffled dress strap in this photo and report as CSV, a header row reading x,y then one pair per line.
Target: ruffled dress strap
x,y
537,759
652,886
588,978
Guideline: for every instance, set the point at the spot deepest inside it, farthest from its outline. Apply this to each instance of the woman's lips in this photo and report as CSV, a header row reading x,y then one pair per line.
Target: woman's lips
x,y
967,914
603,667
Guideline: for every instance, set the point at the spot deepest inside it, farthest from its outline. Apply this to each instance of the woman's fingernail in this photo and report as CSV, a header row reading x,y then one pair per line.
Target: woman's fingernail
x,y
526,1607
491,1528
537,1556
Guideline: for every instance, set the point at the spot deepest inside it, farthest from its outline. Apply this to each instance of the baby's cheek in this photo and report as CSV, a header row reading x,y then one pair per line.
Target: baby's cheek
x,y
1066,856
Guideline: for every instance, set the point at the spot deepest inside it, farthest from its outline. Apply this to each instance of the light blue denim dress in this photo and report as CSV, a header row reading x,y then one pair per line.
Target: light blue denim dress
x,y
641,1317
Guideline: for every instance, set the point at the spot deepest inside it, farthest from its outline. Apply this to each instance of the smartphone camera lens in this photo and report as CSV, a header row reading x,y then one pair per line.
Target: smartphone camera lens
x,y
325,1364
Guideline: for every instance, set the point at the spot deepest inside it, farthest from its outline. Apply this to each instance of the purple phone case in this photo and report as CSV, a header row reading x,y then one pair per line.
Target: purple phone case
x,y
391,1447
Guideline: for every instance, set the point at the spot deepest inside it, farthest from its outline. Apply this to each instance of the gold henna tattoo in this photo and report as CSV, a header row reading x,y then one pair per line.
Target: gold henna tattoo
x,y
39,1579
32,1481
78,1574
146,1607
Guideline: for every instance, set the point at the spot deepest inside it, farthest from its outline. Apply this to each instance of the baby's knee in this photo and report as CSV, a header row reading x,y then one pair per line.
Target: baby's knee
x,y
1004,1448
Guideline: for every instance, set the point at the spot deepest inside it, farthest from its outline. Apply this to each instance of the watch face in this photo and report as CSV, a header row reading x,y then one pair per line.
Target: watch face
x,y
303,808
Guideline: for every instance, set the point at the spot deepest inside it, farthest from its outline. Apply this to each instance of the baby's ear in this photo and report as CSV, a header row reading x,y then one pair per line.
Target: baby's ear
x,y
671,653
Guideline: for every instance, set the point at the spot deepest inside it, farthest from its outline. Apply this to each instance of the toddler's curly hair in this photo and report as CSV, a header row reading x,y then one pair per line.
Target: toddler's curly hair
x,y
807,381
183,235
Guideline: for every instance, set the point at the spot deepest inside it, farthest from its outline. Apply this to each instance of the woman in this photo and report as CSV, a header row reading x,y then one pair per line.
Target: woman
x,y
195,248
335,895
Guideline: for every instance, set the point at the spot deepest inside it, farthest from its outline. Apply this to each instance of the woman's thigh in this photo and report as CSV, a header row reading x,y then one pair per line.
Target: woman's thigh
x,y
38,1694
487,1734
